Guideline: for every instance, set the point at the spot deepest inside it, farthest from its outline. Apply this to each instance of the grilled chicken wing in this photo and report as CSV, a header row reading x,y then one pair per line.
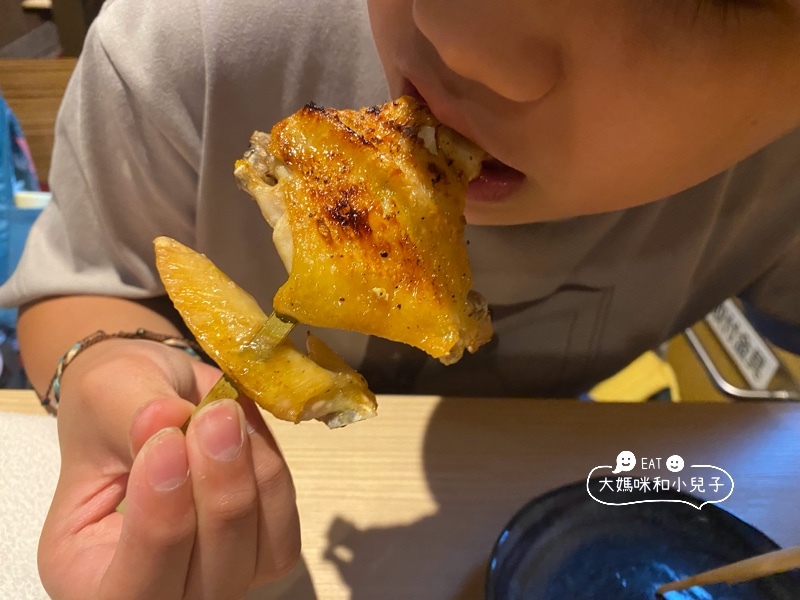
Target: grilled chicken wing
x,y
367,210
251,348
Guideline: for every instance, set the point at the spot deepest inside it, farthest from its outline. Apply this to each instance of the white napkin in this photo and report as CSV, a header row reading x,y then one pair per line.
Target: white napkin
x,y
29,464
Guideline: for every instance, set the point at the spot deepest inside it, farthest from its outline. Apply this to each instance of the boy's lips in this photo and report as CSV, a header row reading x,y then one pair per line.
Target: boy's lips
x,y
495,183
497,180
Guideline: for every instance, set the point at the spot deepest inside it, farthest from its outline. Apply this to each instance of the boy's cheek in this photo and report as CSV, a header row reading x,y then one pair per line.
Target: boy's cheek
x,y
392,30
618,132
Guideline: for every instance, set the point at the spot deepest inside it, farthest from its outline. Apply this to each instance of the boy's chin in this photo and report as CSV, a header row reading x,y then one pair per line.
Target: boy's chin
x,y
500,214
521,206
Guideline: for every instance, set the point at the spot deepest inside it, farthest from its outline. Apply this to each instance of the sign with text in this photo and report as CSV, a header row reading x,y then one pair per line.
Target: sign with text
x,y
747,349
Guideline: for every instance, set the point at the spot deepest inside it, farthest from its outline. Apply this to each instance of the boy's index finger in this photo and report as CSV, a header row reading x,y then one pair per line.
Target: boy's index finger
x,y
154,416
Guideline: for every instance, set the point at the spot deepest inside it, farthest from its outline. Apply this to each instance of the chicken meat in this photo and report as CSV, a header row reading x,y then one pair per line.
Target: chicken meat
x,y
367,210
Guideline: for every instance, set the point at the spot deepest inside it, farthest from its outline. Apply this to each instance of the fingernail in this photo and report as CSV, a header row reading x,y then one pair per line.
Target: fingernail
x,y
220,430
165,462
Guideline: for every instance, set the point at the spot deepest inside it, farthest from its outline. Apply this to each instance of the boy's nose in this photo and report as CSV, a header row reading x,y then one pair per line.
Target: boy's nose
x,y
491,43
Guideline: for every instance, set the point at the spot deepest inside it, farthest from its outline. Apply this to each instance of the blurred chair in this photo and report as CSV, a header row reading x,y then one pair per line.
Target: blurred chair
x,y
73,18
33,88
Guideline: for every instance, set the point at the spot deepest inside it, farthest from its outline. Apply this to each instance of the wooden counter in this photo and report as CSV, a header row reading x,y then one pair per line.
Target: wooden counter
x,y
408,505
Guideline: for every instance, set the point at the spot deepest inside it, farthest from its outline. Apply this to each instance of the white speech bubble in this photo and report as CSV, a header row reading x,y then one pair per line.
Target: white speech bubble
x,y
626,461
596,499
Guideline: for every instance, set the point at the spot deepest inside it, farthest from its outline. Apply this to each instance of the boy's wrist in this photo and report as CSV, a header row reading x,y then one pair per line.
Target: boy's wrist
x,y
52,395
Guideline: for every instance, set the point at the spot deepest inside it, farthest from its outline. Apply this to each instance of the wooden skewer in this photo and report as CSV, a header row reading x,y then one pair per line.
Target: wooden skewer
x,y
778,561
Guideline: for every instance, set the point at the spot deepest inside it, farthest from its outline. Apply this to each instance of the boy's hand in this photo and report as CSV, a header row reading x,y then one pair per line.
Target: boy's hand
x,y
207,515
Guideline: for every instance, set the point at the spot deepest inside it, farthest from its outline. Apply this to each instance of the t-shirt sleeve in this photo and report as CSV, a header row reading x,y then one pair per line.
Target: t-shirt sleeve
x,y
125,159
772,303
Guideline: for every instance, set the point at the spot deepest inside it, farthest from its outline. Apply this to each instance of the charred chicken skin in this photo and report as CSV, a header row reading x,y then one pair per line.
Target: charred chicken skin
x,y
367,210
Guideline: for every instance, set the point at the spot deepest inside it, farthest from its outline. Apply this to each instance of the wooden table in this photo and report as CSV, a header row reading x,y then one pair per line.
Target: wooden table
x,y
408,505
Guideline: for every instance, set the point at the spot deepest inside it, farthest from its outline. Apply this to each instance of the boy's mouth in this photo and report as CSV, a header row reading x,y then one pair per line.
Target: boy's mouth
x,y
496,181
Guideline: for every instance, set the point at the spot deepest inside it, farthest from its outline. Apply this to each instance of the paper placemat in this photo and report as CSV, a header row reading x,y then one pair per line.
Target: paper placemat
x,y
29,465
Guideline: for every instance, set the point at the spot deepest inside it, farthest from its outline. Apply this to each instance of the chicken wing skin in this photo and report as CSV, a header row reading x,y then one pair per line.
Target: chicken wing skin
x,y
367,209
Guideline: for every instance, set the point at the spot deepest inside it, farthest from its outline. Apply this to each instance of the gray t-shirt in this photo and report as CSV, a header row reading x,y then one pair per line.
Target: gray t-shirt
x,y
164,100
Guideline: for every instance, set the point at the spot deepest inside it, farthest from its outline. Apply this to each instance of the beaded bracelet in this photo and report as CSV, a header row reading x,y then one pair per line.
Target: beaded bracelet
x,y
51,404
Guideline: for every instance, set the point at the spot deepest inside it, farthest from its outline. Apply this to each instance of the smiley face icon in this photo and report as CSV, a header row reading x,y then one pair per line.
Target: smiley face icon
x,y
675,463
626,461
